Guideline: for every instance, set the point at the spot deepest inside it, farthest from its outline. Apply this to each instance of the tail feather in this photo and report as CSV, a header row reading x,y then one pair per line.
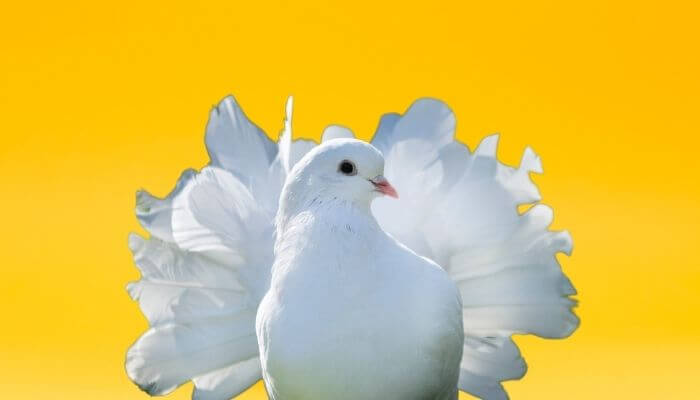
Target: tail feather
x,y
207,264
200,316
155,213
383,136
235,143
484,387
216,216
179,286
166,264
493,357
426,119
413,145
169,355
291,151
461,211
228,382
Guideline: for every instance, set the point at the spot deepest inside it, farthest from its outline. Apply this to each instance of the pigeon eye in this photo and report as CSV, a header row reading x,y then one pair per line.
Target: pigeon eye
x,y
347,167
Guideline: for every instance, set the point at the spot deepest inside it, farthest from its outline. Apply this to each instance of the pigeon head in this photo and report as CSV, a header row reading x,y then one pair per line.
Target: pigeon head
x,y
342,170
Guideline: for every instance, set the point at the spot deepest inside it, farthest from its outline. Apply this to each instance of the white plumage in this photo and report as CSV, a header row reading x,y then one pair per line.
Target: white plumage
x,y
351,312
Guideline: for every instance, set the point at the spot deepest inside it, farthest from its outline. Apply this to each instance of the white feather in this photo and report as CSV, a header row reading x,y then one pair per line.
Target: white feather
x,y
291,151
216,214
180,286
155,214
227,382
169,355
237,144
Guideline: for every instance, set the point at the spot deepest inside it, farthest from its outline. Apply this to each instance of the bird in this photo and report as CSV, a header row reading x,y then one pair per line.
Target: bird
x,y
351,313
397,268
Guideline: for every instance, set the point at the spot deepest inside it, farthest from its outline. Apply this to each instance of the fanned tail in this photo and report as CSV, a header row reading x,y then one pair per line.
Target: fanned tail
x,y
460,209
207,263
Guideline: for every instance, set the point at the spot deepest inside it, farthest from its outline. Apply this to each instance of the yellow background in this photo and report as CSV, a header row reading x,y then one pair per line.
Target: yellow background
x,y
98,99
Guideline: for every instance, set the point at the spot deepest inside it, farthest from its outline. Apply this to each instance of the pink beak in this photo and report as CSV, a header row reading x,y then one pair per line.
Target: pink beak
x,y
383,186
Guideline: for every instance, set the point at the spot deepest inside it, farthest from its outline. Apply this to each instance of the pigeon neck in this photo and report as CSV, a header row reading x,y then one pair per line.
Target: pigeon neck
x,y
297,199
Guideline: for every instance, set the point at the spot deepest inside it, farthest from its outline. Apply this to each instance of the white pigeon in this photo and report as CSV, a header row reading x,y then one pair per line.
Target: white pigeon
x,y
414,304
351,313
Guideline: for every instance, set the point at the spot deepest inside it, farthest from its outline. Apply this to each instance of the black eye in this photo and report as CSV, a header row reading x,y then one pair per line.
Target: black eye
x,y
347,167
